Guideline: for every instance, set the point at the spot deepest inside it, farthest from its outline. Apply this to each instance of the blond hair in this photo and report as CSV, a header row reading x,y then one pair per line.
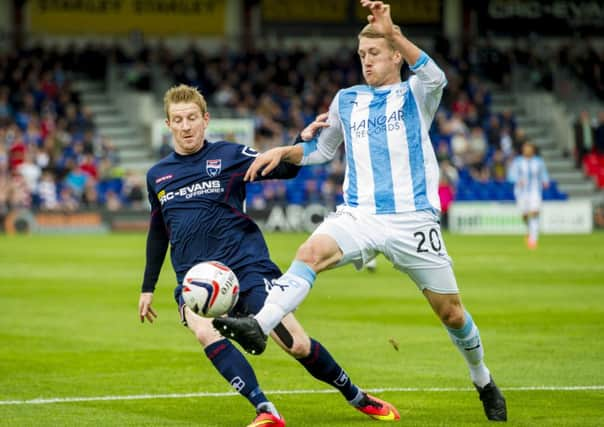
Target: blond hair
x,y
371,33
183,93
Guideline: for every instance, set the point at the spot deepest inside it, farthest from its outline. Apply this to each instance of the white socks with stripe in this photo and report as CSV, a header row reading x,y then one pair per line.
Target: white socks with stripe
x,y
467,341
287,293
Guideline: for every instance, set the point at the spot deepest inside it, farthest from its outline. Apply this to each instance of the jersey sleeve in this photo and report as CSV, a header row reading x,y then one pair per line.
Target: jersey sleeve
x,y
512,175
324,146
427,84
157,242
543,175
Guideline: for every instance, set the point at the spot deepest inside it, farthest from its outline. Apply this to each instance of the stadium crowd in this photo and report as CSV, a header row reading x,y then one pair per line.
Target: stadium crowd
x,y
52,156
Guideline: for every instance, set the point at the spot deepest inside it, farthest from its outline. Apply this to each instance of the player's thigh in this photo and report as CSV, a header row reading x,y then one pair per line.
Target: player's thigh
x,y
354,233
523,203
416,247
291,337
534,205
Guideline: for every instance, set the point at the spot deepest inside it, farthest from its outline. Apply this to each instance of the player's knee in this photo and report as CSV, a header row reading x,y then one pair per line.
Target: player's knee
x,y
307,253
315,253
452,316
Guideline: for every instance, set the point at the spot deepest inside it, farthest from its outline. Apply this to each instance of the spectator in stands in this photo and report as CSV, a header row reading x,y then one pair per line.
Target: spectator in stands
x,y
498,166
165,148
90,197
47,191
584,137
599,134
446,194
68,201
134,192
30,172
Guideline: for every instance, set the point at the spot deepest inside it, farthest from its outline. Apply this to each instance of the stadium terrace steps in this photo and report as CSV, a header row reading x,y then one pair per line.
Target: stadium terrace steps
x,y
134,152
574,176
585,189
570,180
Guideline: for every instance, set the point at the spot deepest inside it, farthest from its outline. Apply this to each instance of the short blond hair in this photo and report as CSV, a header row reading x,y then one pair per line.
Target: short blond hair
x,y
184,93
371,33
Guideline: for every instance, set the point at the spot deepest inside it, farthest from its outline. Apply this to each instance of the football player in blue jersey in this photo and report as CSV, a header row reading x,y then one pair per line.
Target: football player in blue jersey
x,y
197,195
391,204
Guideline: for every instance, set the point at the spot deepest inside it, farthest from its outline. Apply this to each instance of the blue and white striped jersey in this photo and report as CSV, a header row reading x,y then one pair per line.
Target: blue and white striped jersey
x,y
390,163
528,175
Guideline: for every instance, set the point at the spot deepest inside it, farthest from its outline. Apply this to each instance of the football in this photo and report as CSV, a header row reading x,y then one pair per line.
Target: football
x,y
210,289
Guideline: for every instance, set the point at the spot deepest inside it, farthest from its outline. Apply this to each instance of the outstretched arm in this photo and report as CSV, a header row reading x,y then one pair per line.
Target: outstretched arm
x,y
267,162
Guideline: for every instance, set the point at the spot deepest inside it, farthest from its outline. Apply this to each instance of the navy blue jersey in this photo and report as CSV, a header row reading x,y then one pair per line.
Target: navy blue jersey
x,y
197,207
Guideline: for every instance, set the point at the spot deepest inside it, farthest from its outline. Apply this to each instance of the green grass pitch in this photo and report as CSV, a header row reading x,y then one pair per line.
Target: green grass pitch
x,y
69,329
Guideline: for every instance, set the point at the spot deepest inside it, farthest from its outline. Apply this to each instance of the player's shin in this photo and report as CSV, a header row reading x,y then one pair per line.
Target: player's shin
x,y
533,226
238,372
467,341
286,294
321,365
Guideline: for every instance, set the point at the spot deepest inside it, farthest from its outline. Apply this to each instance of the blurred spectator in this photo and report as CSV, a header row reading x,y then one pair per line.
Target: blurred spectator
x,y
446,195
166,147
68,201
30,172
599,134
584,137
498,166
112,201
90,197
47,191
134,190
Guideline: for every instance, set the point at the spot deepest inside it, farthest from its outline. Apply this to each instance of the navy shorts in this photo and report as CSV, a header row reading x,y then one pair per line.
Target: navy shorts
x,y
250,301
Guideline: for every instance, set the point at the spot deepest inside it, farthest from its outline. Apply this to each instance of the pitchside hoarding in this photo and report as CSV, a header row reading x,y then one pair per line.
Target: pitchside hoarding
x,y
567,217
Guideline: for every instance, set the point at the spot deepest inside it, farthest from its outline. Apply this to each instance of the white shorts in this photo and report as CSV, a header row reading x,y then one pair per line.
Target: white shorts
x,y
412,241
528,202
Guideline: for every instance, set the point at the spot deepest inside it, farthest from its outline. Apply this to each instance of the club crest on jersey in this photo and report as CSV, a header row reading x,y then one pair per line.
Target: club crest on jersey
x,y
213,167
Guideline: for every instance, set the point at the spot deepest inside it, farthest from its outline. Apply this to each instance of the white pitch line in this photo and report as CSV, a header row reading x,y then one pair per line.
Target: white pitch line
x,y
41,401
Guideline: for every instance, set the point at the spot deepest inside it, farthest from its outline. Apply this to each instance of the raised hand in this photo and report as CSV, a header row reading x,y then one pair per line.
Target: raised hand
x,y
380,18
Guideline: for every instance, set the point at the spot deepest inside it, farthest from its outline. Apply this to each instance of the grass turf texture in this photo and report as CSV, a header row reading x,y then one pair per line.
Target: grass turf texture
x,y
69,328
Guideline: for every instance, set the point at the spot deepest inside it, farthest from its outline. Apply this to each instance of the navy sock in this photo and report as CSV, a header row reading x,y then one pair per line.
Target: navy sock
x,y
323,367
236,370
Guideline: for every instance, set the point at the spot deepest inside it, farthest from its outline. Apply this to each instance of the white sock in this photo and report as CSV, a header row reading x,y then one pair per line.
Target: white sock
x,y
268,407
533,225
287,293
467,341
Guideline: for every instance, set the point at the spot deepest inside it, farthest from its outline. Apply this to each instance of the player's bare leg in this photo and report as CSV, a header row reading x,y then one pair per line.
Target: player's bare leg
x,y
466,337
316,254
533,229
